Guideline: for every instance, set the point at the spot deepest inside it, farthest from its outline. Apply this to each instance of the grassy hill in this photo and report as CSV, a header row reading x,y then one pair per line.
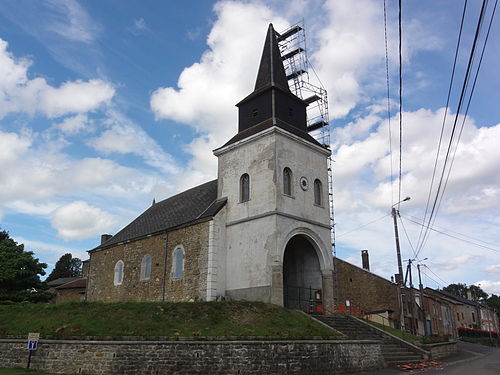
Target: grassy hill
x,y
153,319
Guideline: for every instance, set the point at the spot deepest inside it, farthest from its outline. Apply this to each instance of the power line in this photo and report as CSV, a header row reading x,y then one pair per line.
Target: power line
x,y
388,101
470,98
444,119
450,230
457,238
400,106
435,207
362,226
407,237
445,283
436,282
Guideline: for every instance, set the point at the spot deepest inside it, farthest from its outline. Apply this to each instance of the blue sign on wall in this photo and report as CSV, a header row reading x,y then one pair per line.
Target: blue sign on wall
x,y
32,344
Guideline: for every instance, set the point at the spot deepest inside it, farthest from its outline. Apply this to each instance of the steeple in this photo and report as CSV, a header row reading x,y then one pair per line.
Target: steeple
x,y
271,103
271,71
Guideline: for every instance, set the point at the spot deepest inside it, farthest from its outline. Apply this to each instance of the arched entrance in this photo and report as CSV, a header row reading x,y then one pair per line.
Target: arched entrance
x,y
301,274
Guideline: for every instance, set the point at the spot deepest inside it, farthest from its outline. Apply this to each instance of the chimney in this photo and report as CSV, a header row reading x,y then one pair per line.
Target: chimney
x,y
105,237
365,260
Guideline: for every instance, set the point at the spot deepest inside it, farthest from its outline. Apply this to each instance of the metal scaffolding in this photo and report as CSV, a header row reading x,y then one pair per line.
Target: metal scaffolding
x,y
292,44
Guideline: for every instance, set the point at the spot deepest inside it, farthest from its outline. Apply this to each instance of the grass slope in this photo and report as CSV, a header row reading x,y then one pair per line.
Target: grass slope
x,y
150,319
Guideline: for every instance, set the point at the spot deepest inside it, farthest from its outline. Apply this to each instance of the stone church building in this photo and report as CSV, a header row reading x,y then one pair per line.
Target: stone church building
x,y
260,231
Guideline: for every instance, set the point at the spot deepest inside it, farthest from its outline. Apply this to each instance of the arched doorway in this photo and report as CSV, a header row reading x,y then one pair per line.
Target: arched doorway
x,y
301,274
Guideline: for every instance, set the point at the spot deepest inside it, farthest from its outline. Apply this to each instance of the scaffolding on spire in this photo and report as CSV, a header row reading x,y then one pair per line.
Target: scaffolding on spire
x,y
292,44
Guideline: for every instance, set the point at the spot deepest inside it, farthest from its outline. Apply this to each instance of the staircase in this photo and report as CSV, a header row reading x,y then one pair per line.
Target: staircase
x,y
393,349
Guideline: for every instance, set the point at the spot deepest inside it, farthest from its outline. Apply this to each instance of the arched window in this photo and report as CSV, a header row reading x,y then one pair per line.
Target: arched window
x,y
244,187
146,267
287,181
118,273
318,191
178,266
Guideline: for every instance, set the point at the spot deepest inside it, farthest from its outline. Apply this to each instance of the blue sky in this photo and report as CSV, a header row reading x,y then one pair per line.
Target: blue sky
x,y
105,105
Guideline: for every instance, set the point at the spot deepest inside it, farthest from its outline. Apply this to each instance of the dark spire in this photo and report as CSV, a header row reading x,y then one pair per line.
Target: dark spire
x,y
271,70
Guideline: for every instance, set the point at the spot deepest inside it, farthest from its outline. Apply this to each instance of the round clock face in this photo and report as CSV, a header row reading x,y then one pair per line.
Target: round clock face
x,y
304,184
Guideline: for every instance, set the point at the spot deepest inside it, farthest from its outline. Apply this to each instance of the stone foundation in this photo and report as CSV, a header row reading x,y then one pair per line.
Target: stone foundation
x,y
194,357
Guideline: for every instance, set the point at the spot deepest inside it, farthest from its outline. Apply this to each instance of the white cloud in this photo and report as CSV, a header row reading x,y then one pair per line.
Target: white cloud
x,y
78,220
139,26
74,124
18,93
71,21
50,251
489,286
125,137
495,269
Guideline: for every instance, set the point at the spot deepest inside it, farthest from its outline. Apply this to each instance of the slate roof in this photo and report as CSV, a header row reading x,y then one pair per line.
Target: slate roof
x,y
458,298
80,283
61,281
194,204
267,124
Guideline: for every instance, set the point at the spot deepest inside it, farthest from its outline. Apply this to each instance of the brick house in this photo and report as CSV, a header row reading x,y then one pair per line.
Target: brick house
x,y
260,231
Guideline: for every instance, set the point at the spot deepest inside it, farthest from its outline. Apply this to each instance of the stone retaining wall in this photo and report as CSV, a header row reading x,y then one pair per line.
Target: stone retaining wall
x,y
441,349
194,357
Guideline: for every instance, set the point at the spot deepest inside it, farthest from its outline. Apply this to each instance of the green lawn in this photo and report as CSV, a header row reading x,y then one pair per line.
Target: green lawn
x,y
396,332
152,319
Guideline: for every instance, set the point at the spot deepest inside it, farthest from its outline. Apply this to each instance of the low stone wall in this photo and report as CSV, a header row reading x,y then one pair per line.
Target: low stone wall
x,y
194,357
441,349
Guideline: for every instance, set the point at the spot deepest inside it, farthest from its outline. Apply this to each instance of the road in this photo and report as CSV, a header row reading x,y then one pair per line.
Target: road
x,y
474,360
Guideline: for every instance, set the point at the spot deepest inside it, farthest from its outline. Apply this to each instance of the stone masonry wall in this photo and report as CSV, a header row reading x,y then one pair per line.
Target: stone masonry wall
x,y
194,357
192,286
362,287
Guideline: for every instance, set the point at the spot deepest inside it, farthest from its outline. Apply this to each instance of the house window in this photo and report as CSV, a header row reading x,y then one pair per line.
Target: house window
x,y
178,266
473,318
287,181
317,192
458,316
118,273
146,267
244,188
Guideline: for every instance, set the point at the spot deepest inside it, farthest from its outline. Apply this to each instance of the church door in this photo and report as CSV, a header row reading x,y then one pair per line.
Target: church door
x,y
301,275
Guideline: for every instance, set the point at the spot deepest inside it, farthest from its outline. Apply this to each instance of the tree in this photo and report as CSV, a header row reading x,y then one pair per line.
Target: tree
x,y
20,273
473,292
494,303
457,289
66,266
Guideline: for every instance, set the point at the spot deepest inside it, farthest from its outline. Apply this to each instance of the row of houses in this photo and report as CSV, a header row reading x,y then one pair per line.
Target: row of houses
x,y
427,311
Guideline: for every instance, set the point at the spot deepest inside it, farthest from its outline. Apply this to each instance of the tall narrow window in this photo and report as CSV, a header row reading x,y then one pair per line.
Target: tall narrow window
x,y
146,267
317,192
118,273
178,266
244,187
287,181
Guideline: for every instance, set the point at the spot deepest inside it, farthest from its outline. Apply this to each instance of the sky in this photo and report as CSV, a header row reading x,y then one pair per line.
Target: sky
x,y
107,105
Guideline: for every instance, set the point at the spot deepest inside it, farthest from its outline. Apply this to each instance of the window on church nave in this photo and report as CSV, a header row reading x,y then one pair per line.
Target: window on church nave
x,y
317,192
146,267
287,181
244,187
118,273
178,266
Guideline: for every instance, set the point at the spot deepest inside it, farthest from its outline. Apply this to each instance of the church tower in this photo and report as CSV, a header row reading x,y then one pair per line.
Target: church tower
x,y
274,175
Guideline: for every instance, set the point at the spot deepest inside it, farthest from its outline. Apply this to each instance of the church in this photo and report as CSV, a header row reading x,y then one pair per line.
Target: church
x,y
260,231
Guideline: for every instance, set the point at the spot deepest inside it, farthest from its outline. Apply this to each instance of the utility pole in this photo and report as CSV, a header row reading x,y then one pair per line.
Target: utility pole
x,y
400,266
411,303
421,287
398,249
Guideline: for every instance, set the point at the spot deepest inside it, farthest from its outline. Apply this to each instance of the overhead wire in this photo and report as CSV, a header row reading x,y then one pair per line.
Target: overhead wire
x,y
470,98
457,238
407,237
388,102
362,226
400,105
457,48
439,191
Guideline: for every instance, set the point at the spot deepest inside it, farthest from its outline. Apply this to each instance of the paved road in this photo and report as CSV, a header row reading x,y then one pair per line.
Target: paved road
x,y
473,360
